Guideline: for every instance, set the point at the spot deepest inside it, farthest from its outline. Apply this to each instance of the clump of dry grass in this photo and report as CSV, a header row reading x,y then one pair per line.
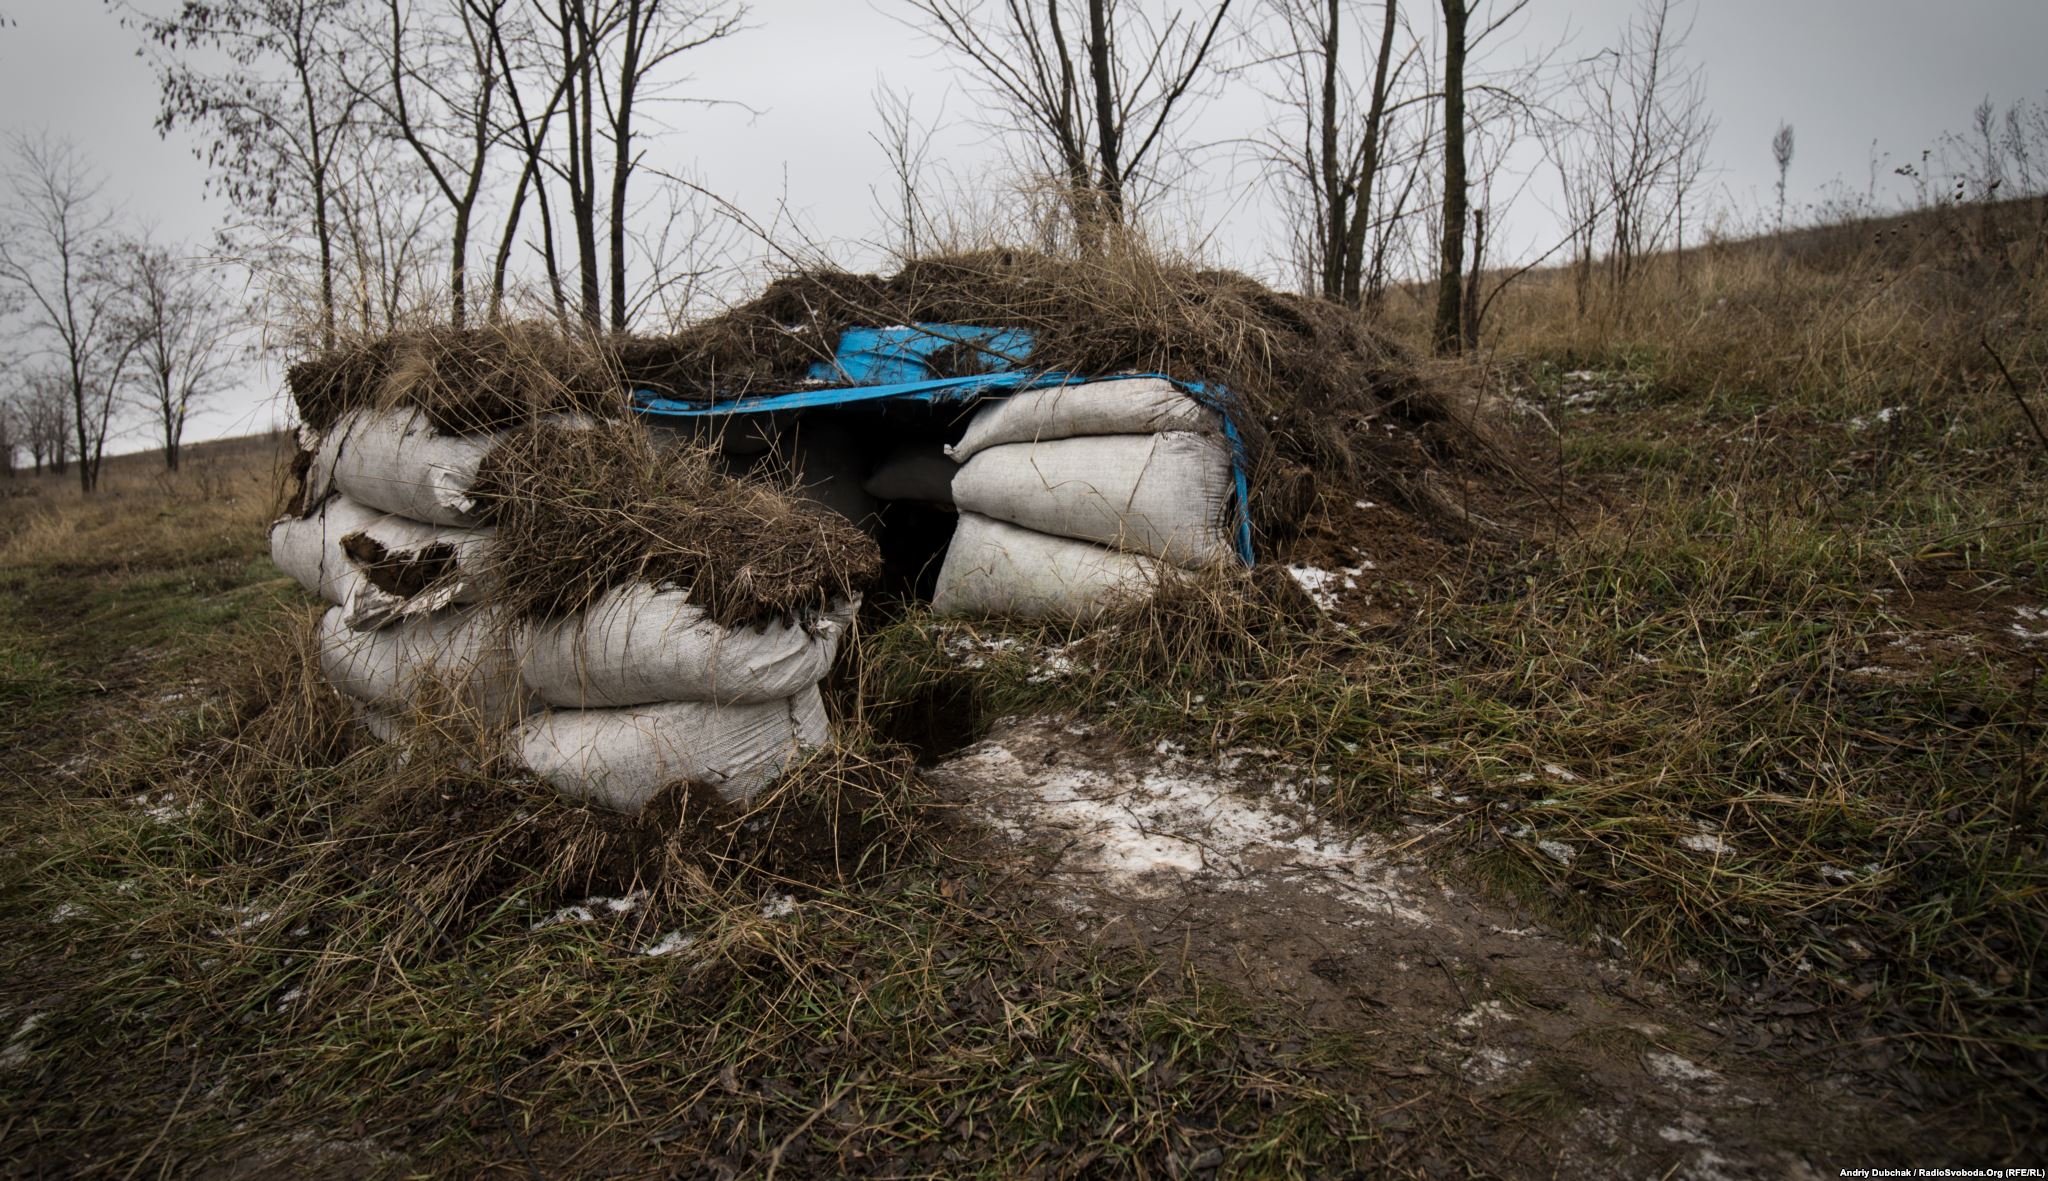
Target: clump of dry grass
x,y
465,379
1324,401
579,511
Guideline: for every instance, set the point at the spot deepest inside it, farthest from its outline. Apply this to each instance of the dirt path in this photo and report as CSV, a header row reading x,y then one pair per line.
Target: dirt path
x,y
1593,1069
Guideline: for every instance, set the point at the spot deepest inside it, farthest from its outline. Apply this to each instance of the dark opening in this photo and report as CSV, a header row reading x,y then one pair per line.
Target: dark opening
x,y
880,464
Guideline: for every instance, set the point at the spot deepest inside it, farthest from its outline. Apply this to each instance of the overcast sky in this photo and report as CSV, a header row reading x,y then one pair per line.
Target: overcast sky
x,y
1853,77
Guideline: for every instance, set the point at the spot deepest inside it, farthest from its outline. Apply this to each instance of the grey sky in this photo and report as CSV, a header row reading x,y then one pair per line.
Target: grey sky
x,y
1847,73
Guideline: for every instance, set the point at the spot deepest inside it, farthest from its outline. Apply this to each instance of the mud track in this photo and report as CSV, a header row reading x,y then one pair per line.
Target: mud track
x,y
1582,1065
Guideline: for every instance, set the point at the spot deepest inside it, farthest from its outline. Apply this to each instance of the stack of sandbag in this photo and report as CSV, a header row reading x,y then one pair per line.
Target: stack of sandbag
x,y
1073,498
642,688
608,703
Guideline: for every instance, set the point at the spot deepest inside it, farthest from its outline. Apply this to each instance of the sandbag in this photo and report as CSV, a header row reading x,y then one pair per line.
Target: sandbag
x,y
1125,406
918,471
396,461
309,548
465,652
423,567
636,644
1165,495
618,758
994,568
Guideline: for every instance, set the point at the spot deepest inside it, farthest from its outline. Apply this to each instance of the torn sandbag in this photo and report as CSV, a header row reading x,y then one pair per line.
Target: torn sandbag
x,y
464,654
997,569
396,461
636,644
1122,406
618,758
309,548
917,472
1166,495
424,566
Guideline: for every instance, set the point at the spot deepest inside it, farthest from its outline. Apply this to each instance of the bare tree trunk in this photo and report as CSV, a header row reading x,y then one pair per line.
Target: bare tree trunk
x,y
1108,131
622,155
1472,309
1449,335
1370,152
1337,187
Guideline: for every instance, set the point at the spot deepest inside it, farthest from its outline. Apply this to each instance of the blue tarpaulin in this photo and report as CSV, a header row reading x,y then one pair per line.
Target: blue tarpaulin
x,y
893,356
885,364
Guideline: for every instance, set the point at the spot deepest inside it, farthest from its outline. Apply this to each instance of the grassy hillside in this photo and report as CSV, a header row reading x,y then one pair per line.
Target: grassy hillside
x,y
1757,713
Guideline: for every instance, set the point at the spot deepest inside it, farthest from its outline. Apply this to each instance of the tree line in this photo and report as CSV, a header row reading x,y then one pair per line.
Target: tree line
x,y
112,322
390,162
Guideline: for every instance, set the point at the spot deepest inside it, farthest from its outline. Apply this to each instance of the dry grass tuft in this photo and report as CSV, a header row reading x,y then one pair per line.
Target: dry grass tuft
x,y
1328,405
578,511
1326,401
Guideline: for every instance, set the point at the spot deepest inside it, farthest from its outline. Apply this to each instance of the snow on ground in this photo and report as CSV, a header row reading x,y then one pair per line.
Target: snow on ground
x,y
1174,822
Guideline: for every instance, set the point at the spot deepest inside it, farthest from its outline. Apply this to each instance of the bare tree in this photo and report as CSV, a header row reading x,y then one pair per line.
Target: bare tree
x,y
57,253
1781,153
614,59
43,410
1334,149
1461,38
280,111
906,143
1094,87
10,437
182,329
1646,133
1448,335
385,235
438,86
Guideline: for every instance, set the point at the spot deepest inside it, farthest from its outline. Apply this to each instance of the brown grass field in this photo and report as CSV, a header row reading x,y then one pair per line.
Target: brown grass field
x,y
1729,779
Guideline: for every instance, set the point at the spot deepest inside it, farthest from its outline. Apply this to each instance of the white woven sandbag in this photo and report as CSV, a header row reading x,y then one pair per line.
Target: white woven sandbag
x,y
309,548
1123,406
994,568
465,652
396,461
618,758
1166,495
394,542
919,472
636,644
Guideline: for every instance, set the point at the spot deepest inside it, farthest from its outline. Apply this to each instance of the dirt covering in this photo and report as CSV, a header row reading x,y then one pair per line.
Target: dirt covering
x,y
1329,407
579,511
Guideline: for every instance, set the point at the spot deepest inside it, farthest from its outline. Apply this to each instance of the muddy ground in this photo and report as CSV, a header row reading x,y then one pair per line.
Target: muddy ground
x,y
1593,1068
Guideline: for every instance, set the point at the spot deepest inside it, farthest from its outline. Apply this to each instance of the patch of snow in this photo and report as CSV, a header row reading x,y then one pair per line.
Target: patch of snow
x,y
2035,614
587,910
1705,842
1559,773
1489,1064
284,1002
164,809
1558,851
777,906
1147,827
15,1053
1317,582
1884,417
1481,1013
65,912
670,944
1363,504
1675,1069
